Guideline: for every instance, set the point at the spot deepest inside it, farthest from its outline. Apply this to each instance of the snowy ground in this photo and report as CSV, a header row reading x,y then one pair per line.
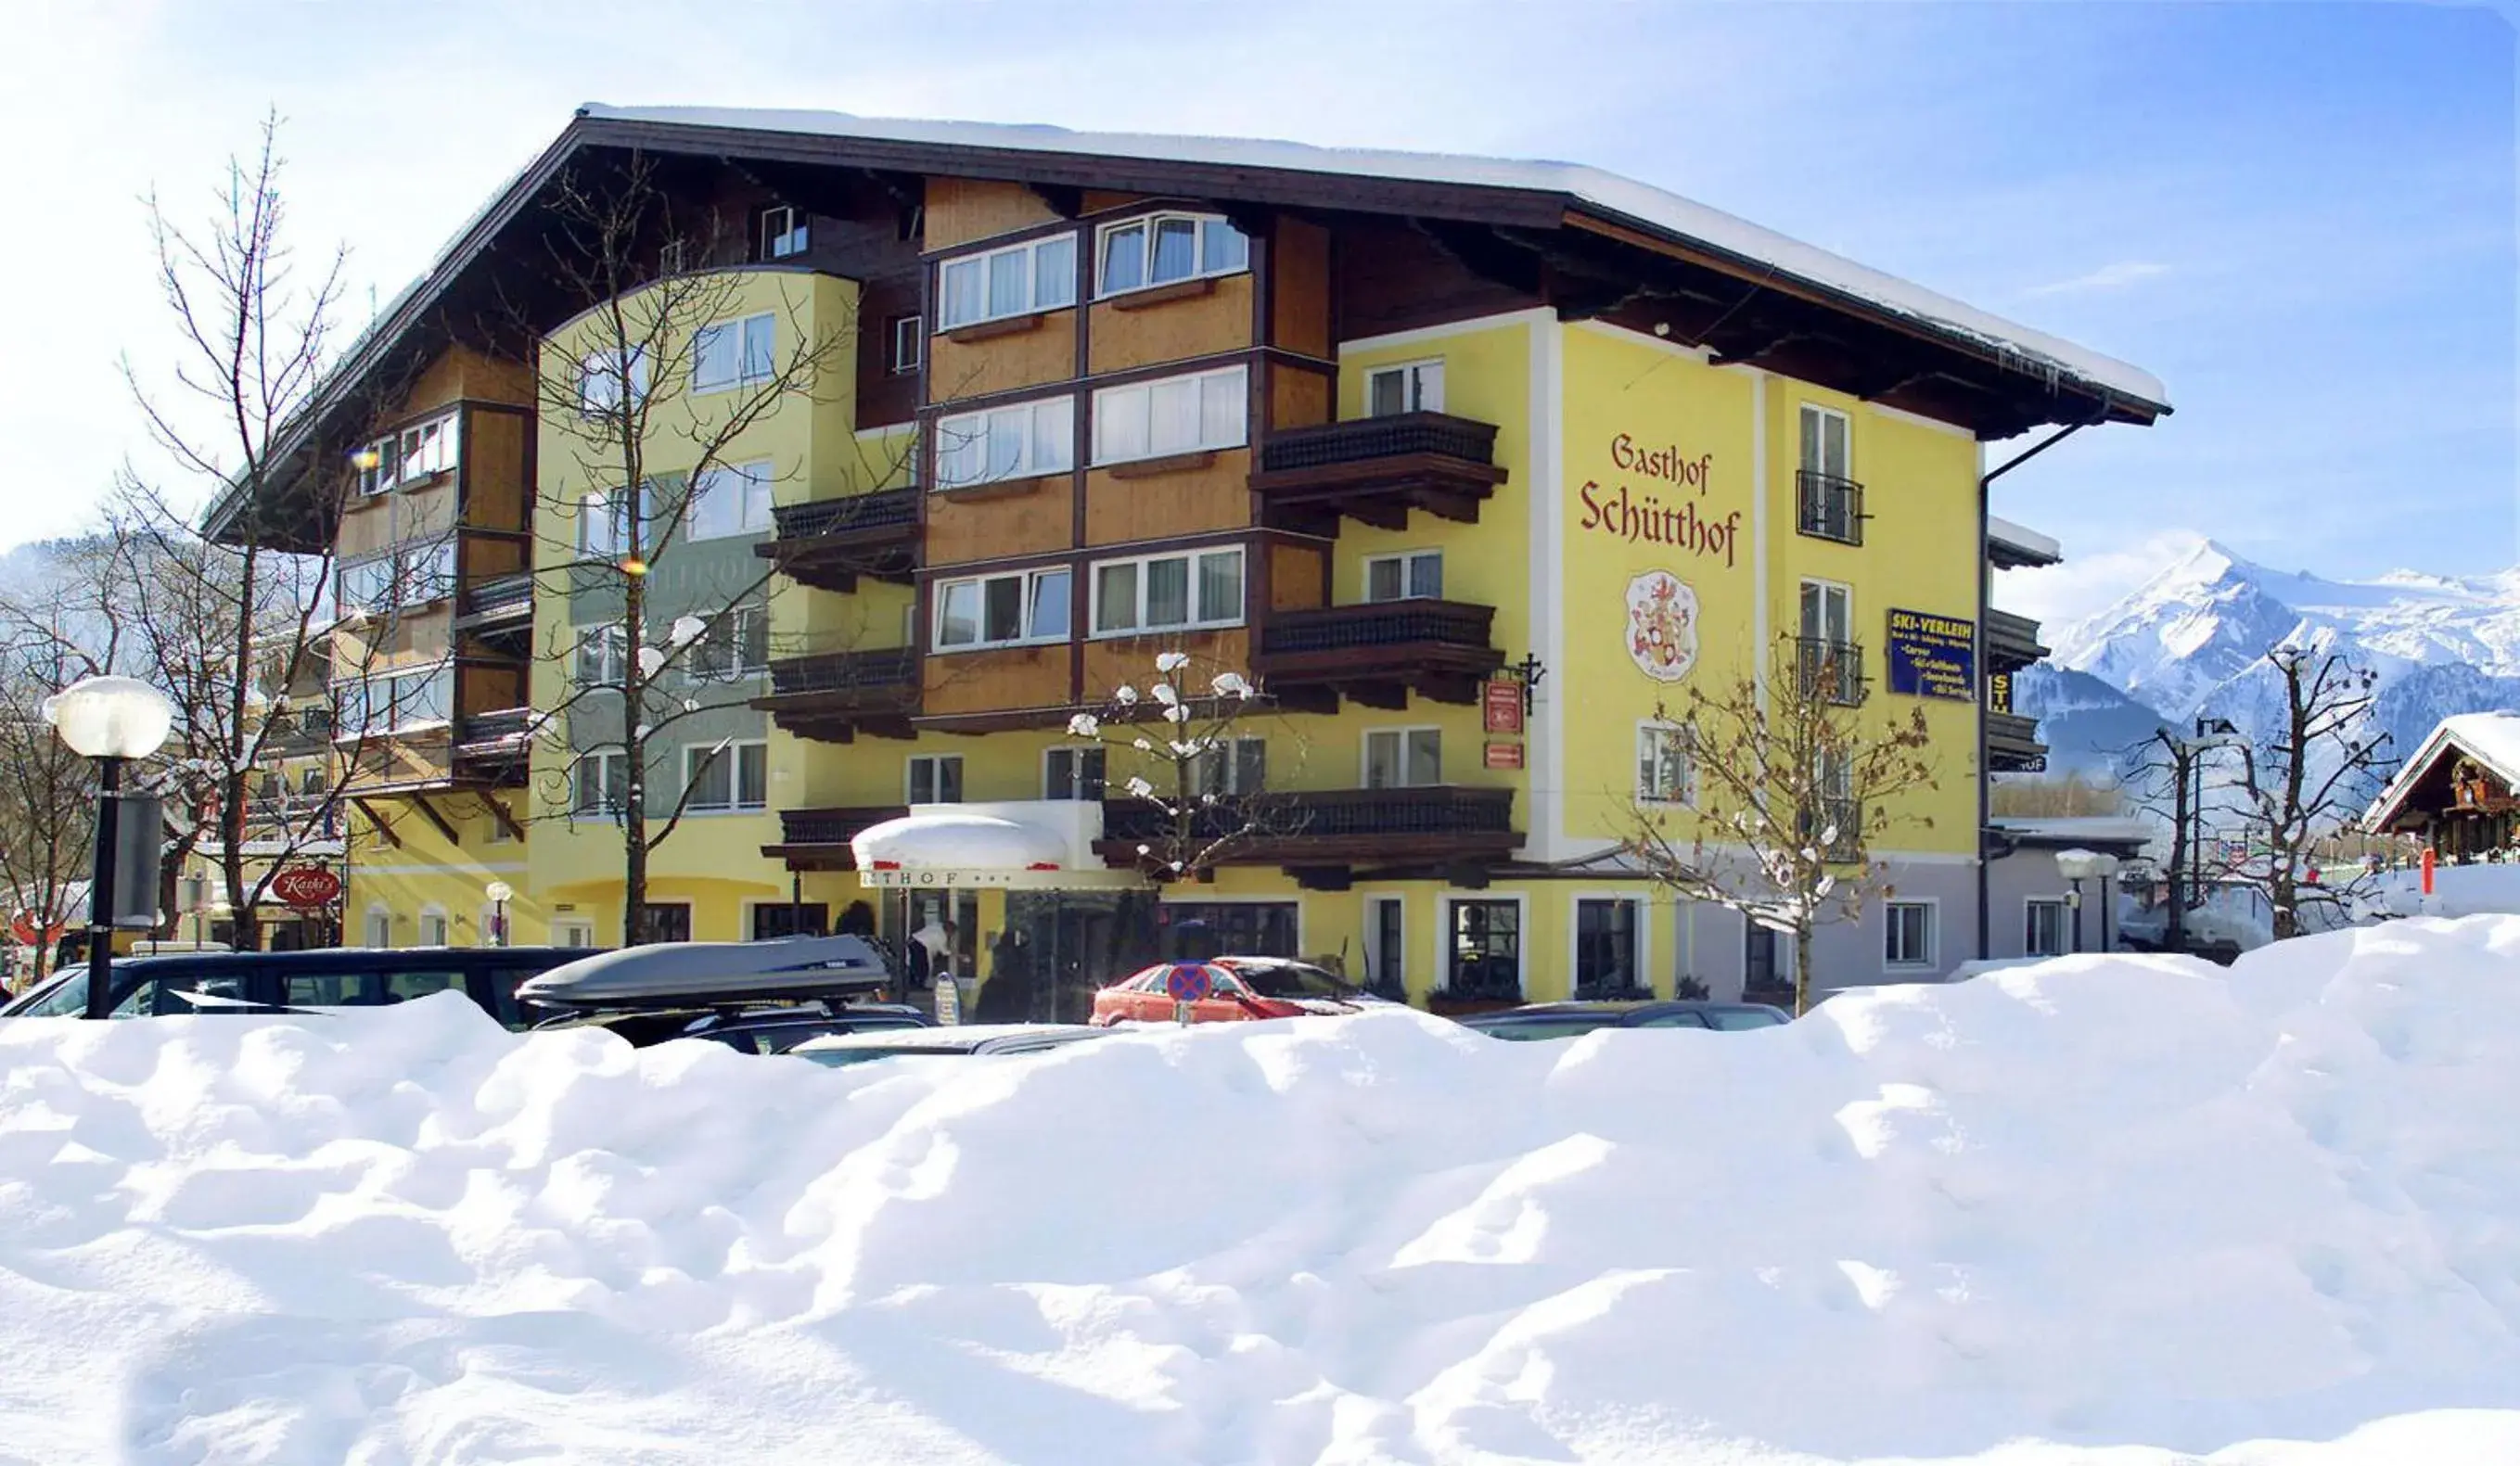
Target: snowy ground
x,y
2119,1211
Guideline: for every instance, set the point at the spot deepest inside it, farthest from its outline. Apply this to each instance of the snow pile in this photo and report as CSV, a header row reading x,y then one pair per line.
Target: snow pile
x,y
2126,1206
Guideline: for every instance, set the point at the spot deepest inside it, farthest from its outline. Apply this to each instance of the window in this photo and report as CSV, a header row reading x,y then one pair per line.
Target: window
x,y
908,337
1908,934
1072,773
1607,964
408,456
1415,576
365,585
600,376
1177,415
395,700
1484,957
2044,928
1664,773
772,919
603,526
673,258
1386,945
1162,249
598,786
1168,591
1400,758
783,232
378,466
734,646
936,778
1762,970
736,777
1236,765
433,931
380,928
603,656
572,932
1825,442
999,610
1194,929
1829,662
425,575
1410,388
729,501
1017,281
733,353
665,922
1828,612
1022,441
1828,502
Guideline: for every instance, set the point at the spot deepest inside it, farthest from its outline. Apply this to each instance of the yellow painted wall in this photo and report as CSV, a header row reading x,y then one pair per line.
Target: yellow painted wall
x,y
417,870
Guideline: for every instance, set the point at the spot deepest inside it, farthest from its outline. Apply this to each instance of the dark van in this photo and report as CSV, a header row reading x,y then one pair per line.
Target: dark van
x,y
323,977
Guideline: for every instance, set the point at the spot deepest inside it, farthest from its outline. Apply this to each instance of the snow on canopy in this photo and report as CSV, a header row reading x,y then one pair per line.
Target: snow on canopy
x,y
2132,1208
1603,190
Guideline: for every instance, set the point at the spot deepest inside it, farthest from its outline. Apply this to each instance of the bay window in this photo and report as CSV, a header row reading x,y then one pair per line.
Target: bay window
x,y
1003,610
1177,415
730,353
1168,591
411,455
1022,441
1016,281
1166,249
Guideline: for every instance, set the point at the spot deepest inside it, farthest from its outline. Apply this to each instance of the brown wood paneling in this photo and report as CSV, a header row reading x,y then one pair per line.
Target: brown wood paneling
x,y
1004,361
999,521
491,378
1388,277
961,210
1160,505
982,682
1099,199
421,512
1299,287
484,558
1298,577
367,526
494,469
488,690
1175,330
1298,398
1112,661
413,758
884,397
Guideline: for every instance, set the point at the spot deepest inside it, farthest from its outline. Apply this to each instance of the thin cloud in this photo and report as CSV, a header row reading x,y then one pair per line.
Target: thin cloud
x,y
2116,276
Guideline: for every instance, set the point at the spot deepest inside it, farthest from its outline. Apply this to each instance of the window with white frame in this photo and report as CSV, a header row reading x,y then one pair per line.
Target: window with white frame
x,y
1827,612
1233,766
409,454
1168,591
1825,439
1908,934
1409,387
601,376
1018,279
732,646
783,232
2043,924
1401,758
432,928
424,574
935,779
392,701
1665,755
730,353
1166,249
1417,575
365,585
603,526
1020,441
997,610
1194,414
1072,773
603,655
598,786
909,345
729,500
729,776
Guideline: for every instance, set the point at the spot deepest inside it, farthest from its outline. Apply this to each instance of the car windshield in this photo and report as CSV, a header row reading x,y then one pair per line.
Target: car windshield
x,y
867,1053
1545,1028
1739,1018
1292,980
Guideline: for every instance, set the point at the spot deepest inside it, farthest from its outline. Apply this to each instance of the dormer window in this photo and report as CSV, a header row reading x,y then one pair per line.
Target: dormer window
x,y
783,232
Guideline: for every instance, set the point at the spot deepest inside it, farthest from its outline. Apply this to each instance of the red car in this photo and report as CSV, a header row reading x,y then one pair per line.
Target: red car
x,y
1239,988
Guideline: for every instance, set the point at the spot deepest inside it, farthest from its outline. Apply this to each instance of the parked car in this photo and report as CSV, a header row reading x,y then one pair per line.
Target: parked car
x,y
1239,988
753,996
966,1040
1566,1020
316,978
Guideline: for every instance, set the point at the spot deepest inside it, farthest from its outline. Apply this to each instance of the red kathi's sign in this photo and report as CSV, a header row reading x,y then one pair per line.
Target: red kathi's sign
x,y
306,886
1642,518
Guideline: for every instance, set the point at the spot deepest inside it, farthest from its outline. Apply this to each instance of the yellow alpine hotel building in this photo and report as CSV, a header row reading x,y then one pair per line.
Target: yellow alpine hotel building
x,y
1473,466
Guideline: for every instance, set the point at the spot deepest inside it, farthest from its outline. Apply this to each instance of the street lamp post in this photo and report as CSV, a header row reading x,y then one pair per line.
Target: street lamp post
x,y
2078,866
500,894
111,720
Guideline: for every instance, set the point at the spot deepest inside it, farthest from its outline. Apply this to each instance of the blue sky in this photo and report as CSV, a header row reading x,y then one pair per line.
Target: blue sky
x,y
2300,216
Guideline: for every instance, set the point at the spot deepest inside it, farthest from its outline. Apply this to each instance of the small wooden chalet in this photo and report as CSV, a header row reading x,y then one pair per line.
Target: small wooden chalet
x,y
2460,792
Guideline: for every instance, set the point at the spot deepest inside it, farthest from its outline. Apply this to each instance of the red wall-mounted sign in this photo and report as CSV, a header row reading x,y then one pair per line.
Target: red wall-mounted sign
x,y
1505,756
306,887
1502,704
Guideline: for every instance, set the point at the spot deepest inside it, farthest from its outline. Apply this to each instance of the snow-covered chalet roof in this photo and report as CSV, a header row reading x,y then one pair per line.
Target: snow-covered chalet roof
x,y
2493,739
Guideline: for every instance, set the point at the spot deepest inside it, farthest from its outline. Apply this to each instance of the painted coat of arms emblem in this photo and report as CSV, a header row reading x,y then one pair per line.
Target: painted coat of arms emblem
x,y
1662,625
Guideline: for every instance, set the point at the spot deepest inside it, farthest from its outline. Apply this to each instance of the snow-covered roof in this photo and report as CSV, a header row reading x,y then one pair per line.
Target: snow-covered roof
x,y
2024,541
2490,738
1603,192
2090,830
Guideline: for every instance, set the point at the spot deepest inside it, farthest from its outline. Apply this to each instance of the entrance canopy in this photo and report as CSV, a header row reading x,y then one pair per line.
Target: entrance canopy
x,y
1036,845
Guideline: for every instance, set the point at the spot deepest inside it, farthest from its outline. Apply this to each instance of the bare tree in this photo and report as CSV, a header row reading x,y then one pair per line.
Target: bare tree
x,y
1787,786
2303,782
1183,749
2073,796
661,371
47,795
2168,771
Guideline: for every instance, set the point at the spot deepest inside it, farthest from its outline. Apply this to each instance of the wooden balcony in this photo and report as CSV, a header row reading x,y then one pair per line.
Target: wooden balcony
x,y
498,604
1378,654
2011,642
819,839
1375,471
1327,837
2012,744
828,543
495,748
833,695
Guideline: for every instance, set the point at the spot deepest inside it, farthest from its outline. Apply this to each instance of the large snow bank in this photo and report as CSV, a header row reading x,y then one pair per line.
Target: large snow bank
x,y
2132,1203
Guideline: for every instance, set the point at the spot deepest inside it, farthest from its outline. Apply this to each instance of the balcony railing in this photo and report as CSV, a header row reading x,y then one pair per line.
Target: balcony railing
x,y
2012,743
298,732
887,670
1832,670
817,839
2011,642
892,508
1829,506
1376,469
828,543
1438,649
832,694
499,596
508,725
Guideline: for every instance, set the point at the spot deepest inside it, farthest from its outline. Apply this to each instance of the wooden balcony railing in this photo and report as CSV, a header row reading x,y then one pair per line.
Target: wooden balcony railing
x,y
832,694
828,543
1378,653
499,596
817,839
2011,642
1376,469
1828,508
2012,744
